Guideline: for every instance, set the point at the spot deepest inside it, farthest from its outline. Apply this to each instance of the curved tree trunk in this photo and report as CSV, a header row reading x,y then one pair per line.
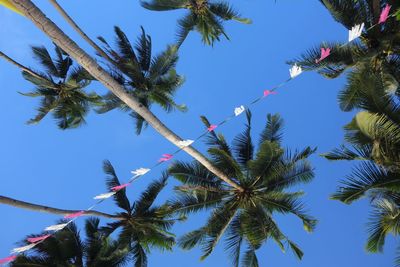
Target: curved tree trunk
x,y
70,47
79,30
40,208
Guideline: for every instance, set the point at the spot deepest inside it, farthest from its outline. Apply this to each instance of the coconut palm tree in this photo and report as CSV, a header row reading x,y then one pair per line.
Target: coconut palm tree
x,y
148,79
204,16
374,141
377,50
61,89
145,225
68,248
33,13
244,217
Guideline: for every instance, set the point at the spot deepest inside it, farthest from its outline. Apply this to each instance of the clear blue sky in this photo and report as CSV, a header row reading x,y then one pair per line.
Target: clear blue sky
x,y
43,164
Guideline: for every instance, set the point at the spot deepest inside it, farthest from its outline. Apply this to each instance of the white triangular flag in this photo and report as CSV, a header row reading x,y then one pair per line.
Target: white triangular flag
x,y
105,195
140,171
22,249
239,110
185,143
56,227
295,71
356,32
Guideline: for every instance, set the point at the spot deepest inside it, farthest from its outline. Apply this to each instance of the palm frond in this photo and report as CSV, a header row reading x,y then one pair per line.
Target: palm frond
x,y
112,180
163,5
242,144
367,176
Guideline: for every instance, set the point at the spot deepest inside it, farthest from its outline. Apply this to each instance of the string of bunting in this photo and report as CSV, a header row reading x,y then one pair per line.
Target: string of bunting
x,y
294,71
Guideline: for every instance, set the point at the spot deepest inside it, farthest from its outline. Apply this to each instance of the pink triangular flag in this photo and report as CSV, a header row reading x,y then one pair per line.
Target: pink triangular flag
x,y
37,239
8,259
268,92
325,52
165,157
119,187
74,215
212,127
384,14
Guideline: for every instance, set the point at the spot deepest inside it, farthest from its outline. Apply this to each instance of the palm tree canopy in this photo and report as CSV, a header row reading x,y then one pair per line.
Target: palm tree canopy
x,y
67,248
246,216
61,89
151,80
146,225
204,16
377,51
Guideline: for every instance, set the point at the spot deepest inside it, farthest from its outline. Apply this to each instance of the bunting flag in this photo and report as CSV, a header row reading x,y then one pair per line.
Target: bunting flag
x,y
140,172
23,249
212,127
239,110
105,195
165,157
268,92
38,239
385,14
74,215
185,143
356,32
8,259
10,6
294,71
56,227
119,187
325,52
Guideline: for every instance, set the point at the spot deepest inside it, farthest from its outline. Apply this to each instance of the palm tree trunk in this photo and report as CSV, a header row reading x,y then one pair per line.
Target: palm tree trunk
x,y
70,47
22,67
80,31
40,208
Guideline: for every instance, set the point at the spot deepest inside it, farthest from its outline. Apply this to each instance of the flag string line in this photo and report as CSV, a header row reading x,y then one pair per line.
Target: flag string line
x,y
294,72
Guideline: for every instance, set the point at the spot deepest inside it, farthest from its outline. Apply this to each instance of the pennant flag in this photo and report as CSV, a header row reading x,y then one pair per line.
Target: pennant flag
x,y
22,249
140,171
295,71
165,157
8,259
185,143
385,14
356,32
10,6
105,195
74,215
37,239
239,110
325,52
212,127
56,227
119,187
268,92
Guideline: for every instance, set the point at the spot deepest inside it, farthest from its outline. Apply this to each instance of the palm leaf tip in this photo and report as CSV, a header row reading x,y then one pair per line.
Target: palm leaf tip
x,y
244,20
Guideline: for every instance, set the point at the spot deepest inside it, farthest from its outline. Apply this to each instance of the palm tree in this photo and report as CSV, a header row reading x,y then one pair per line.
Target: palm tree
x,y
61,89
204,16
375,141
145,225
66,248
377,50
148,79
248,216
90,65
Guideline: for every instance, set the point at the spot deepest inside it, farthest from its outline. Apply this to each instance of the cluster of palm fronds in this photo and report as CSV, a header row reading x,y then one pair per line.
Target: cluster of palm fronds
x,y
373,136
242,217
151,80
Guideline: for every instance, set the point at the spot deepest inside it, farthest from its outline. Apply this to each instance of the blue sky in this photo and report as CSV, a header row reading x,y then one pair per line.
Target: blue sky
x,y
45,165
